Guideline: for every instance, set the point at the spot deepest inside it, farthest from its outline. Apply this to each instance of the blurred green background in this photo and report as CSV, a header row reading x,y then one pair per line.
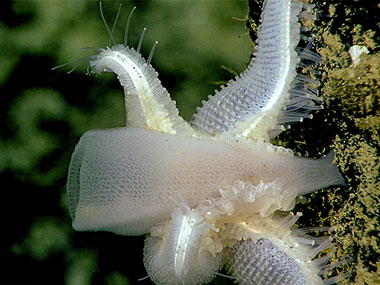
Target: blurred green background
x,y
44,113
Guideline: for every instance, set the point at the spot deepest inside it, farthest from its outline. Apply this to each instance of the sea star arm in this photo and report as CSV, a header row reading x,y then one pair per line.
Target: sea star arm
x,y
269,92
147,102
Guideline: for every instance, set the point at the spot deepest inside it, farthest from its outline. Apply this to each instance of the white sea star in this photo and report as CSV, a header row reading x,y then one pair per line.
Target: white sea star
x,y
203,187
